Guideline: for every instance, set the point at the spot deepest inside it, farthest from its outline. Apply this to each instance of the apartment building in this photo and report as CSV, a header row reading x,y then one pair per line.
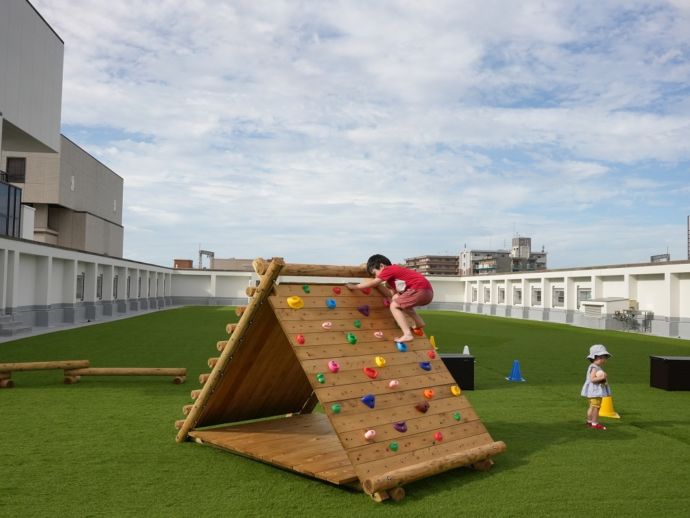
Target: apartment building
x,y
434,264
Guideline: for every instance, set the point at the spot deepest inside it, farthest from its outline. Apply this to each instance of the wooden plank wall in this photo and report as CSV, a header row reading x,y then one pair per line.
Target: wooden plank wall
x,y
404,435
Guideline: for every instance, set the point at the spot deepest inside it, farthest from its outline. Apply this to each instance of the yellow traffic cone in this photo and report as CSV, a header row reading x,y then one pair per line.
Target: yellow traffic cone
x,y
606,409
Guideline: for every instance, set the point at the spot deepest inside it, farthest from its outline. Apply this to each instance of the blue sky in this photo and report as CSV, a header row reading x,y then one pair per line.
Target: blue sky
x,y
326,131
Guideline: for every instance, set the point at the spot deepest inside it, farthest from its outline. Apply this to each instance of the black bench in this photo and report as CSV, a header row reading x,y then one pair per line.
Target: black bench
x,y
670,372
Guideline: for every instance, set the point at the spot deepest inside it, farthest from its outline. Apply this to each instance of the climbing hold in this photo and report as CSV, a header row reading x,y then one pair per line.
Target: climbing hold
x,y
417,331
428,393
372,373
402,346
337,290
438,437
327,325
369,435
306,288
378,334
358,323
366,291
295,302
320,378
431,354
336,408
393,384
333,366
432,341
393,446
422,407
351,338
400,426
380,361
386,302
364,309
455,390
330,303
369,400
457,416
300,339
425,365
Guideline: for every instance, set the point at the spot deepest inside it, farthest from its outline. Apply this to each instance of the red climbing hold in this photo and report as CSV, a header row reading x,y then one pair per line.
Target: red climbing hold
x,y
366,291
372,373
300,339
337,290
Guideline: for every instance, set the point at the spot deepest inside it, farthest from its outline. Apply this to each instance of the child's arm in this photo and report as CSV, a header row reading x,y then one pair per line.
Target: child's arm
x,y
367,283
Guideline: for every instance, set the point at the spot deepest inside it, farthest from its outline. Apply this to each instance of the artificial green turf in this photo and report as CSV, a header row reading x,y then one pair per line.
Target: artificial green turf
x,y
105,447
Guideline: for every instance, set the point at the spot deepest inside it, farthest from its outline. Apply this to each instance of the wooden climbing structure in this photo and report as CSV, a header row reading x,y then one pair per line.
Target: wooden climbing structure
x,y
393,413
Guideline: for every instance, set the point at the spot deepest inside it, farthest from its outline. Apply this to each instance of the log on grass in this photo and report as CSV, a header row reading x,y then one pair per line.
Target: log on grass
x,y
6,383
34,366
179,374
397,477
220,345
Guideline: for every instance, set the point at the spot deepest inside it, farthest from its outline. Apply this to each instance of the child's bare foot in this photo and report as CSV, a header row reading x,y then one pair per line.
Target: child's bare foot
x,y
405,338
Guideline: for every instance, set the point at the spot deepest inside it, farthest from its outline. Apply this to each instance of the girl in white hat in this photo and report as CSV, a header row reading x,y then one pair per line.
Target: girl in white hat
x,y
596,386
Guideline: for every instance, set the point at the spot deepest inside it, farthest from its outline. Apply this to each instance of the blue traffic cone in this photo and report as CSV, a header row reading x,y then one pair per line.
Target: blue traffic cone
x,y
515,373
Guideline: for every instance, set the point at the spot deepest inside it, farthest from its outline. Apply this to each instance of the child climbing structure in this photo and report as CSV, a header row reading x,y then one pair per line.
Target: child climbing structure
x,y
393,413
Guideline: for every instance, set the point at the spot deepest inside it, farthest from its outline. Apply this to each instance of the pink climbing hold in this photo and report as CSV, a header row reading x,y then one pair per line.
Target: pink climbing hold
x,y
393,384
369,435
386,302
333,366
327,325
378,334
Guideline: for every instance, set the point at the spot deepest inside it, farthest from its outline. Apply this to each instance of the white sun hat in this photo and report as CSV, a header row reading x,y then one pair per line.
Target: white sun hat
x,y
597,350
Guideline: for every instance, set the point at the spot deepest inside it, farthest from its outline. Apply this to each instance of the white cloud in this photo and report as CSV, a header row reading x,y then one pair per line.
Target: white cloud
x,y
324,131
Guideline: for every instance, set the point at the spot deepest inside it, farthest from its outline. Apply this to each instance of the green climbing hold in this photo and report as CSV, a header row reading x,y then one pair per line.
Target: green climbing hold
x,y
351,338
336,408
358,324
320,378
393,446
457,416
306,288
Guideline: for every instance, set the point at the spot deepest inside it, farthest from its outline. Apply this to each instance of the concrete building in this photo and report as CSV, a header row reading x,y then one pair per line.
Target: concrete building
x,y
77,199
488,262
434,264
71,198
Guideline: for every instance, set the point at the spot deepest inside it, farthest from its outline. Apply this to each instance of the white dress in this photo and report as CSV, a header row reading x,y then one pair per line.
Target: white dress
x,y
590,389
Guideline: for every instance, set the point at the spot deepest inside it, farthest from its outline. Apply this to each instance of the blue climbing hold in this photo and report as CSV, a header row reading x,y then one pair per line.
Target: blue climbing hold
x,y
330,303
369,400
425,365
402,346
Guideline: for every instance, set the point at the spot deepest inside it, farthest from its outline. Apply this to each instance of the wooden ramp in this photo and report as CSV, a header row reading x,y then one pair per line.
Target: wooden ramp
x,y
393,413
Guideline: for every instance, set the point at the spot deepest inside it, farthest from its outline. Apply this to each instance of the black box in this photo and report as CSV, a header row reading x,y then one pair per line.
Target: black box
x,y
669,372
461,367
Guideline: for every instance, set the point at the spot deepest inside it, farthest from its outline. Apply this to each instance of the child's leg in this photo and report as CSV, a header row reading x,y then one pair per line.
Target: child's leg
x,y
418,322
401,320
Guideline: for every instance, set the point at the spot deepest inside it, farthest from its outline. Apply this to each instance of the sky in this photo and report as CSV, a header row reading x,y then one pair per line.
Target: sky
x,y
326,131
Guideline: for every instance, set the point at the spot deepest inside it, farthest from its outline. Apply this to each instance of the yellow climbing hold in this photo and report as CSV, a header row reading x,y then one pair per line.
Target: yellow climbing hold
x,y
295,302
455,390
380,361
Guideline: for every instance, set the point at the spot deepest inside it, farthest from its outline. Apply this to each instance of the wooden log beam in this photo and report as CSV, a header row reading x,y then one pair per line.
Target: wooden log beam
x,y
203,378
212,362
127,371
6,383
71,380
323,270
220,345
398,477
34,366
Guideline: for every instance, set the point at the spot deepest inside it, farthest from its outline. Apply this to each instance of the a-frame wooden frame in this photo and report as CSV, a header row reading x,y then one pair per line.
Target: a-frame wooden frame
x,y
279,362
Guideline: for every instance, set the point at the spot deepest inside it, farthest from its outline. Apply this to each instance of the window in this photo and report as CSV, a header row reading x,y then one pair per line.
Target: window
x,y
558,297
80,285
501,295
474,294
583,294
129,291
487,294
99,286
517,296
139,287
115,278
16,169
536,296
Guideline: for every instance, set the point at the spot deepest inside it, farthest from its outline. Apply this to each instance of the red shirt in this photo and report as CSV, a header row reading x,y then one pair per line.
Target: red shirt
x,y
413,280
